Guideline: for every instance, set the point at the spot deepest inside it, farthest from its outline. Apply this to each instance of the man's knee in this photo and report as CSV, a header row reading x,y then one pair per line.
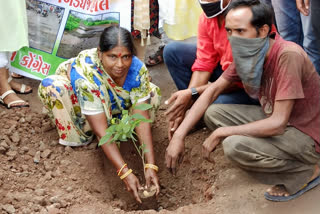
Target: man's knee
x,y
232,147
212,115
169,51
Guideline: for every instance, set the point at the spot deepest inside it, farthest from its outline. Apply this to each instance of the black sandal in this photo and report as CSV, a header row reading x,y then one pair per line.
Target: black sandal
x,y
157,57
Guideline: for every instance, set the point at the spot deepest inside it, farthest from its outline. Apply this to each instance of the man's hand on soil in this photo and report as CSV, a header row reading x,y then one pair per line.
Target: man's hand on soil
x,y
173,126
210,144
182,101
174,154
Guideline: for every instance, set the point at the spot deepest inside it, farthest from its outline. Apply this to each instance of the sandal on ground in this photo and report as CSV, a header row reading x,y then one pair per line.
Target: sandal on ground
x,y
156,58
22,88
16,76
9,105
315,182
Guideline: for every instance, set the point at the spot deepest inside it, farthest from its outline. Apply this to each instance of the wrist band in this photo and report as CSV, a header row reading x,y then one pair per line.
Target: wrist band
x,y
126,174
151,166
120,170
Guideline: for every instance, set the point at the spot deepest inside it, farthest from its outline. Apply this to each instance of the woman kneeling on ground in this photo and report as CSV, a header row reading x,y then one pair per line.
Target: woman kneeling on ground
x,y
88,91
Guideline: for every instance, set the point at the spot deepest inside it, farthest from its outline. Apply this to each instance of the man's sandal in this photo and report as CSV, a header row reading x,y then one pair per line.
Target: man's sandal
x,y
8,106
315,182
157,57
22,89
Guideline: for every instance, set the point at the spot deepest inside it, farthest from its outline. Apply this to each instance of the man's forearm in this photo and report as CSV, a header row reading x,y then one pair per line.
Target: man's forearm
x,y
199,78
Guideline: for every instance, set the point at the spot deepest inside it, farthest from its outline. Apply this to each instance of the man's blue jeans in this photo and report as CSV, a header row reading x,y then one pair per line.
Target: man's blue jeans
x,y
179,58
297,28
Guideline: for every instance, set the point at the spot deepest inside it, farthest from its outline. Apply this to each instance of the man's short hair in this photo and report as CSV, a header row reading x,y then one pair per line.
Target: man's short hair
x,y
261,13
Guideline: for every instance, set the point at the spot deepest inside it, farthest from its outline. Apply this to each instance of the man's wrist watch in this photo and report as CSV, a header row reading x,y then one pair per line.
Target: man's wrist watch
x,y
194,94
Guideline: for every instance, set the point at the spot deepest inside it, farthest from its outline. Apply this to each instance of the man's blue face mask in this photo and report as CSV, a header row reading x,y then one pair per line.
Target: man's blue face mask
x,y
212,9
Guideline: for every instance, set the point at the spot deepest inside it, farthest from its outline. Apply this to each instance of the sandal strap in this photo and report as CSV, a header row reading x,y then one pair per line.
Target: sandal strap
x,y
23,88
16,101
6,94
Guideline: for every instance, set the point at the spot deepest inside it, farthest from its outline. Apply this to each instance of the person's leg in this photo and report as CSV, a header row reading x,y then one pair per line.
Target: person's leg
x,y
288,20
287,159
315,16
57,95
310,43
179,58
4,85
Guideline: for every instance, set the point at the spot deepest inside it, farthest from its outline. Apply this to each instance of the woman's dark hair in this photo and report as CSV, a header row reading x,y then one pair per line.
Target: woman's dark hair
x,y
261,13
114,36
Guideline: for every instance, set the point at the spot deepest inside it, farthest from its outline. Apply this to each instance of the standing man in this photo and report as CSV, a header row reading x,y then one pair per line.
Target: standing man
x,y
193,65
277,142
297,27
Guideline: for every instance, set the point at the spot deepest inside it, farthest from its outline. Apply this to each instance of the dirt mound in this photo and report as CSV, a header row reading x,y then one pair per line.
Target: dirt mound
x,y
37,175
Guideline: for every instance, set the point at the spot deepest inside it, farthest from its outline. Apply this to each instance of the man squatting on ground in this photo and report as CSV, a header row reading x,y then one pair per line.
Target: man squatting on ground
x,y
277,142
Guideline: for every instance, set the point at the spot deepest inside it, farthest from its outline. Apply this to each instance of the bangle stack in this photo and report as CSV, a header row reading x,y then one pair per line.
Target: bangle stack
x,y
120,170
126,174
151,166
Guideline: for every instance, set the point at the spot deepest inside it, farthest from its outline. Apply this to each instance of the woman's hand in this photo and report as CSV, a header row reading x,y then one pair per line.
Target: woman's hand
x,y
152,178
133,185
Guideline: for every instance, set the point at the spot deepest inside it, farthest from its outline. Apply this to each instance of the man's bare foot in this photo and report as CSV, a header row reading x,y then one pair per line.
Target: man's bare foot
x,y
280,190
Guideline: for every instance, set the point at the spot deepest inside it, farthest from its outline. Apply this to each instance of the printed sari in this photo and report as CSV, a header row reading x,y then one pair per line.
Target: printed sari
x,y
91,91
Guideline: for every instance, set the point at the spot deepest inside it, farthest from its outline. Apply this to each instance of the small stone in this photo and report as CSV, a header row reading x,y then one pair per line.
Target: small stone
x,y
26,210
40,192
42,146
2,150
7,139
9,208
54,143
25,149
12,154
48,175
15,137
4,144
28,118
47,166
43,211
46,153
25,167
54,199
68,149
69,189
36,157
40,200
65,162
22,120
52,210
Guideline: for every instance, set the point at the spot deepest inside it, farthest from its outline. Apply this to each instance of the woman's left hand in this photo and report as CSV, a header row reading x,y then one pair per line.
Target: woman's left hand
x,y
152,178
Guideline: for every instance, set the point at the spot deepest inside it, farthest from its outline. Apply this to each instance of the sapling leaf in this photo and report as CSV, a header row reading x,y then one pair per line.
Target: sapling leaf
x,y
143,106
126,129
105,138
138,117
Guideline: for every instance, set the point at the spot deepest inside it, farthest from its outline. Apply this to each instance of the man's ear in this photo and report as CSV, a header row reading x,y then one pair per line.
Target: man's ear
x,y
264,31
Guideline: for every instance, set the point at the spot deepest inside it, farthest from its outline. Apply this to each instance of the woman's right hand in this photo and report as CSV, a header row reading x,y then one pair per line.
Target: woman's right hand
x,y
133,185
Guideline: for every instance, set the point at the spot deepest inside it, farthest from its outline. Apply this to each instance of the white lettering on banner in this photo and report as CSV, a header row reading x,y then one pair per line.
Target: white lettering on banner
x,y
35,63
